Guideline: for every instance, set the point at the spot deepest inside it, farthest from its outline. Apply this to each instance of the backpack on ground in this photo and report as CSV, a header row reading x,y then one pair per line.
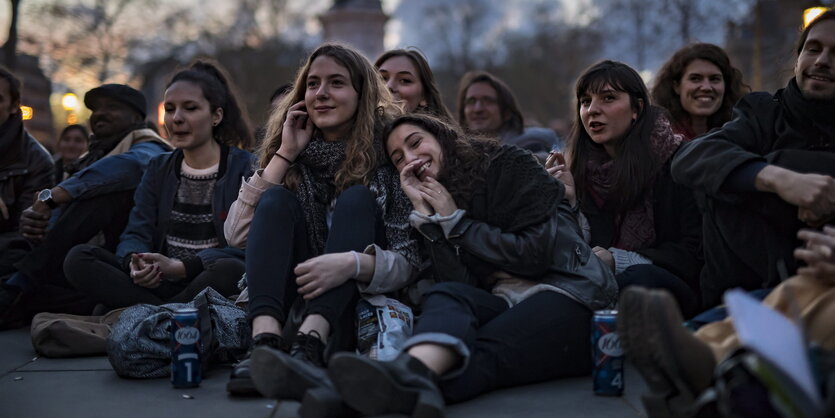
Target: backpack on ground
x,y
139,345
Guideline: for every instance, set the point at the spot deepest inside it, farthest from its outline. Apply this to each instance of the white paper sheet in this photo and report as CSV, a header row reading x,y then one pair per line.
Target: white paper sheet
x,y
774,337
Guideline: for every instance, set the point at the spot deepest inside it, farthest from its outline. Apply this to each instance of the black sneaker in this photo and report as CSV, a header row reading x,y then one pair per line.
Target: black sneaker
x,y
280,375
240,380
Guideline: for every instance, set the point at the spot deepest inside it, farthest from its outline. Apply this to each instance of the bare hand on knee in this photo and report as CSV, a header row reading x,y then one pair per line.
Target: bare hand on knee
x,y
320,274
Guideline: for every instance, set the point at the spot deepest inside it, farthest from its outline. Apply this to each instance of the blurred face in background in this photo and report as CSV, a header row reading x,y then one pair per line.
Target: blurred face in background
x,y
7,108
701,88
403,81
481,109
72,144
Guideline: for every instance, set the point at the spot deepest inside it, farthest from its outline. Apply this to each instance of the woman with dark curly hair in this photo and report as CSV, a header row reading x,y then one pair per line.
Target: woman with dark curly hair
x,y
699,87
517,284
410,80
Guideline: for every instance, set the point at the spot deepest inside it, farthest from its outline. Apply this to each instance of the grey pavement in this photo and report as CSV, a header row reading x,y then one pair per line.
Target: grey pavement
x,y
37,387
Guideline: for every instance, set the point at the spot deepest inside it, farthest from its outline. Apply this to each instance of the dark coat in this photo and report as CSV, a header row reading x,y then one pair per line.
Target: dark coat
x,y
27,170
549,251
678,229
154,200
749,237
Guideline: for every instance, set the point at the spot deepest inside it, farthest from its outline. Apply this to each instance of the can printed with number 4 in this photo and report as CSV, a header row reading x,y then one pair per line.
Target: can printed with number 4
x,y
185,349
607,354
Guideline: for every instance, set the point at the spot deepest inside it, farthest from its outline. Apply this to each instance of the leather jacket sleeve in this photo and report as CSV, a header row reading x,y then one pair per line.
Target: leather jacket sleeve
x,y
527,252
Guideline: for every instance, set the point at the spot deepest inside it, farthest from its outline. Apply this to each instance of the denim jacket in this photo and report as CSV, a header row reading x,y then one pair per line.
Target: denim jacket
x,y
154,200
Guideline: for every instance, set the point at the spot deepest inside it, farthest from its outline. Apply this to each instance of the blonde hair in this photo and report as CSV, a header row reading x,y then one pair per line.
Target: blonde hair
x,y
375,106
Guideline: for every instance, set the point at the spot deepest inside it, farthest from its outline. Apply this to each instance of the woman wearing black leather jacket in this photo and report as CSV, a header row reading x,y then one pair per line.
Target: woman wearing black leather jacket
x,y
517,284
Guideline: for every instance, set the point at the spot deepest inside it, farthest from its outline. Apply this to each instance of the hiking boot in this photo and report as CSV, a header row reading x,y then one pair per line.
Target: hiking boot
x,y
240,380
404,385
281,375
676,366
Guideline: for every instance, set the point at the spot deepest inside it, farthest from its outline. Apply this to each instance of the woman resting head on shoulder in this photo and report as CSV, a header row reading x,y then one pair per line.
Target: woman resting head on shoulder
x,y
699,87
510,266
410,79
642,223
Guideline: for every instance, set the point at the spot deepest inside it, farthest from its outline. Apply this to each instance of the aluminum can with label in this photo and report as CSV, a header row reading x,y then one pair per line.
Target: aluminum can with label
x,y
607,354
185,349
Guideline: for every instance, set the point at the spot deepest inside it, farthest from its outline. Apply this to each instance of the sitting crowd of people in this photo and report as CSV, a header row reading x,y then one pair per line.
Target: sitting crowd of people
x,y
365,186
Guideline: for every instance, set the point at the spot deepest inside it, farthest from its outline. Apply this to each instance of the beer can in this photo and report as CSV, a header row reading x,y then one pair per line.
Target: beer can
x,y
185,349
607,354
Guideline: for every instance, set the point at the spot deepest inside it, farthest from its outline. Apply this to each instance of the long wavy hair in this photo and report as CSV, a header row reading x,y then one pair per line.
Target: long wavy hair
x,y
635,165
234,128
512,119
671,73
431,93
374,106
465,159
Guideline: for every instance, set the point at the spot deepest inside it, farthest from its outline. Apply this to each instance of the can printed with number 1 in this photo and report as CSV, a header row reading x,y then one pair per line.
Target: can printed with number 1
x,y
607,354
185,349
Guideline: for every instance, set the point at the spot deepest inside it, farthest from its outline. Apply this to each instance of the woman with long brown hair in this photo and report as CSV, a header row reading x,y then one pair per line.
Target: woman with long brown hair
x,y
322,220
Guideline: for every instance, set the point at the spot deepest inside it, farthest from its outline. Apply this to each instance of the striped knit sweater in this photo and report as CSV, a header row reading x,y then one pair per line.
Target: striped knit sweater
x,y
191,229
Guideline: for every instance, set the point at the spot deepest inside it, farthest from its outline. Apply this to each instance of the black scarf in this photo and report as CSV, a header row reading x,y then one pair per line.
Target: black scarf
x,y
813,116
11,141
99,147
317,166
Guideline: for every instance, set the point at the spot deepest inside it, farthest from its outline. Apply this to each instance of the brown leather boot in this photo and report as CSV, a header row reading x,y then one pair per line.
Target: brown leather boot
x,y
676,366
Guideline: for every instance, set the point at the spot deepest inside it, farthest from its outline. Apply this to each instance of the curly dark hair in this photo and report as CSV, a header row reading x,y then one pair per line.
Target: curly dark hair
x,y
671,73
465,158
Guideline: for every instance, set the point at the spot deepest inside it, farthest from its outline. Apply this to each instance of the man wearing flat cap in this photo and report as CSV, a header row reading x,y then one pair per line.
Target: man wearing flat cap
x,y
94,201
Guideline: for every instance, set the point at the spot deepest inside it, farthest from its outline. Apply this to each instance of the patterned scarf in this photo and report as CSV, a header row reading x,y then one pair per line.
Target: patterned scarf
x,y
317,166
635,229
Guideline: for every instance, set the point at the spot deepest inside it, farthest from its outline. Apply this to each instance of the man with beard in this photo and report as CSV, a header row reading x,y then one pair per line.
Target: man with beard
x,y
767,173
95,200
24,170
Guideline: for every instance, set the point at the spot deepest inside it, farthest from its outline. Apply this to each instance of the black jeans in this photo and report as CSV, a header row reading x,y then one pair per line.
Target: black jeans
x,y
654,277
546,336
79,222
98,273
278,242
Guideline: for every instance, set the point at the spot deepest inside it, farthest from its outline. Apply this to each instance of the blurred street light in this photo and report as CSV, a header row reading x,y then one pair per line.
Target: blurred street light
x,y
811,13
69,101
26,112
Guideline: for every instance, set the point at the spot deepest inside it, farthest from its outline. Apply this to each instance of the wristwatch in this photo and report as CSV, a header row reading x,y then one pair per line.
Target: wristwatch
x,y
45,196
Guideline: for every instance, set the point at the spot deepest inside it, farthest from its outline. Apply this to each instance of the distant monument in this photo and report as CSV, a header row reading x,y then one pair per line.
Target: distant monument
x,y
358,23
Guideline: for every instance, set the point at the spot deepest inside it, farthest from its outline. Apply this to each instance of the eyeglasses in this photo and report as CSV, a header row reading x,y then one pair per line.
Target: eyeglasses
x,y
485,101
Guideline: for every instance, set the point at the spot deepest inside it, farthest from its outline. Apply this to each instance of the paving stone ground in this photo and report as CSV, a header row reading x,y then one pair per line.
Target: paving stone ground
x,y
37,387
